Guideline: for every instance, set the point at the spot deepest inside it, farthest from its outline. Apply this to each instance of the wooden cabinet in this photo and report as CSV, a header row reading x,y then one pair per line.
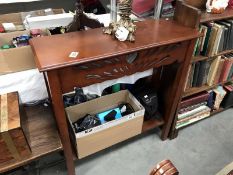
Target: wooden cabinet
x,y
205,17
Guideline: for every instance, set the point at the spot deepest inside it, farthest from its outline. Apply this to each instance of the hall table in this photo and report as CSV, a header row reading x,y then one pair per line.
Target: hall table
x,y
158,43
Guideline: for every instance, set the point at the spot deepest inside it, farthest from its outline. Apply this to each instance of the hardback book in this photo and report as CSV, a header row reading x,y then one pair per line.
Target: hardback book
x,y
193,120
228,99
192,112
199,42
212,40
228,25
213,70
219,95
204,110
189,108
222,38
204,31
215,48
219,71
230,75
195,75
207,37
203,72
210,101
191,75
194,99
231,35
226,69
186,86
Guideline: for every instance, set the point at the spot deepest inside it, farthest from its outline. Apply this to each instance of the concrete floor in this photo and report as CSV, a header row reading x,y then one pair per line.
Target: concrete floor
x,y
201,149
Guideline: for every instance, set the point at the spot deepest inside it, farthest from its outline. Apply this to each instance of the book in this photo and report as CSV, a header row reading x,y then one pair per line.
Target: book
x,y
219,95
228,99
194,111
191,75
214,50
193,120
189,108
210,101
186,86
213,70
204,32
226,69
206,109
212,39
195,74
230,75
203,72
206,42
194,99
219,71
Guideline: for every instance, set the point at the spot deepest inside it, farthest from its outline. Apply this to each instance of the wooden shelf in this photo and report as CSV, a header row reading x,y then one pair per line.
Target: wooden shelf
x,y
224,52
151,124
206,17
43,136
198,58
195,90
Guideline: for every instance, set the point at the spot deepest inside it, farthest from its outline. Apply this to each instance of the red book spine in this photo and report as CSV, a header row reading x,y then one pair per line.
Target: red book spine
x,y
194,100
227,70
223,70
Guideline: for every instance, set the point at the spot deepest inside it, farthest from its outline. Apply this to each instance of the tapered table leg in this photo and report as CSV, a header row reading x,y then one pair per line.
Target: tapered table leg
x,y
58,107
177,90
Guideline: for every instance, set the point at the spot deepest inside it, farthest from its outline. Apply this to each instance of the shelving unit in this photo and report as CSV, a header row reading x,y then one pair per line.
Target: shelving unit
x,y
43,136
205,17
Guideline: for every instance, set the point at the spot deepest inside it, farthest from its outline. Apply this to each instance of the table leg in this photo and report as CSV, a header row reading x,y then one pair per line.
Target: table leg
x,y
177,90
58,107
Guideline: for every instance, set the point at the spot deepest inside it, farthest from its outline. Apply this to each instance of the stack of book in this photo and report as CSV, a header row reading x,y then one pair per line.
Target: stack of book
x,y
199,106
217,37
192,109
210,71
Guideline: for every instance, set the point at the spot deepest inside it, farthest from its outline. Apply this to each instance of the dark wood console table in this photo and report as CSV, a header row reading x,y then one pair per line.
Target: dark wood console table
x,y
158,43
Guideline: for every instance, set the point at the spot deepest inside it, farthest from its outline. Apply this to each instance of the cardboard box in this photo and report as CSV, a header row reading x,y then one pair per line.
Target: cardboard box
x,y
18,18
50,21
110,133
13,143
15,59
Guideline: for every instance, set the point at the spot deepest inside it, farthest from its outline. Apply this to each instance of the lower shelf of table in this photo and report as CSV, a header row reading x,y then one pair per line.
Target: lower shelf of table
x,y
151,124
43,136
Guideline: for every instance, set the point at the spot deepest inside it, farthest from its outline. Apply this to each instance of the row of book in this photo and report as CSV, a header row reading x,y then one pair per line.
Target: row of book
x,y
217,37
210,71
199,106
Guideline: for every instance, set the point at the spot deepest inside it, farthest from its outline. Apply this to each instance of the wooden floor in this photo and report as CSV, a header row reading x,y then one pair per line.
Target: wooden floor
x,y
43,136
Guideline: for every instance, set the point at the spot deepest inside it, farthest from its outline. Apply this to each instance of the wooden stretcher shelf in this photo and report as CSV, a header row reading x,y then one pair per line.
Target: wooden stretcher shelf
x,y
43,136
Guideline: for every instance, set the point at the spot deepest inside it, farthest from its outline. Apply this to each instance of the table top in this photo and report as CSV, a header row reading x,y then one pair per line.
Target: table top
x,y
52,52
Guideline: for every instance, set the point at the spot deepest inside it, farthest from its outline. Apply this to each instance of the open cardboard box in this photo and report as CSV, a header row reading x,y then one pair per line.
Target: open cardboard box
x,y
15,59
110,133
18,18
